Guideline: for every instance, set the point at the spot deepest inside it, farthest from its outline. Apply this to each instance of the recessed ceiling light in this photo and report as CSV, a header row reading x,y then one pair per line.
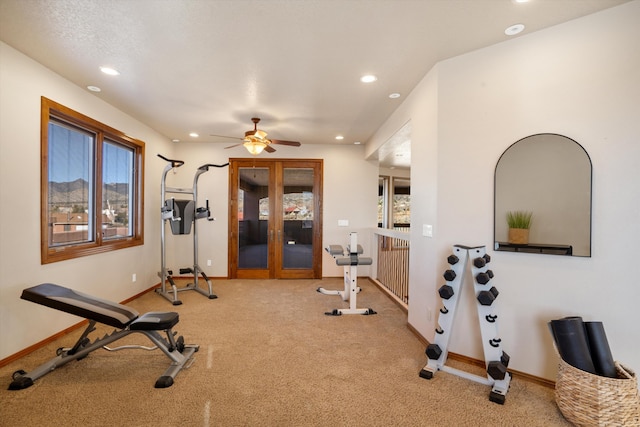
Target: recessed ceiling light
x,y
110,71
194,135
175,140
369,78
94,88
357,143
521,1
514,29
394,95
339,137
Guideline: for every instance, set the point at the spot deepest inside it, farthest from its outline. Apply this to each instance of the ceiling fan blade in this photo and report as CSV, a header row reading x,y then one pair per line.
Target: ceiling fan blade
x,y
232,146
281,142
269,149
225,136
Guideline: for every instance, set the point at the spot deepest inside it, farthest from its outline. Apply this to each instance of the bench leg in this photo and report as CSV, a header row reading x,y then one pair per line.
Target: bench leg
x,y
81,349
181,355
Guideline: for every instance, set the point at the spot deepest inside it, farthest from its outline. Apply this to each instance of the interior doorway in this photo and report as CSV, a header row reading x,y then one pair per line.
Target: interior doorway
x,y
275,226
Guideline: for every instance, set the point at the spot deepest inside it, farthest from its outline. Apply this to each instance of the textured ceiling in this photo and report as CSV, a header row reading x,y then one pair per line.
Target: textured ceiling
x,y
209,66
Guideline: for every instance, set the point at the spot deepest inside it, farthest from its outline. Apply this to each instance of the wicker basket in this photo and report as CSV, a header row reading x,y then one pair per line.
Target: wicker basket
x,y
586,399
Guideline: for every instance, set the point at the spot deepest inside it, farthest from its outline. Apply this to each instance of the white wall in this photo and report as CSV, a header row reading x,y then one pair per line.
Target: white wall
x,y
350,182
579,79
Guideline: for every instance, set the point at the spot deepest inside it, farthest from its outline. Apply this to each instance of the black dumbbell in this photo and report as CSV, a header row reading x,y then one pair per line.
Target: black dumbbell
x,y
482,278
433,351
445,292
497,370
449,275
479,262
505,359
452,259
488,297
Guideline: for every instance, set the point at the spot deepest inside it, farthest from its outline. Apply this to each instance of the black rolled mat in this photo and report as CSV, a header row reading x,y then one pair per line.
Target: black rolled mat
x,y
571,340
600,351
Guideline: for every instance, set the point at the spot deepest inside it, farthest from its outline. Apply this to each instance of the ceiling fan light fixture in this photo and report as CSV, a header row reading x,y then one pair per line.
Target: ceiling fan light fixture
x,y
255,141
254,147
260,134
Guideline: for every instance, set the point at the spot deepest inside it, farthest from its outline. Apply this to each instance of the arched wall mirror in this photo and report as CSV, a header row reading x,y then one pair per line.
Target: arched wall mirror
x,y
548,176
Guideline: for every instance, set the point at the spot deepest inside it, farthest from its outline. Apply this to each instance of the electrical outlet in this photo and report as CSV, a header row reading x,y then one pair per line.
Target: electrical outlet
x,y
134,277
208,263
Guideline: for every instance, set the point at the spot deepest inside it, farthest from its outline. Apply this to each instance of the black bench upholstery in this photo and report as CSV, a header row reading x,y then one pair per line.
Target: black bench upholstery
x,y
83,305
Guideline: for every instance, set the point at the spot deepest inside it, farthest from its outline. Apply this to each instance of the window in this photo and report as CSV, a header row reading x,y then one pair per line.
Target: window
x,y
394,203
91,186
401,204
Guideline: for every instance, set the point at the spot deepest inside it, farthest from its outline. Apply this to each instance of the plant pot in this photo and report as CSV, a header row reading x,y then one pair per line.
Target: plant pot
x,y
519,236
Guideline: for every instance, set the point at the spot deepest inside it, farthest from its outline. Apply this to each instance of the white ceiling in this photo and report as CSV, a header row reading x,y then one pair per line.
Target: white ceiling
x,y
208,66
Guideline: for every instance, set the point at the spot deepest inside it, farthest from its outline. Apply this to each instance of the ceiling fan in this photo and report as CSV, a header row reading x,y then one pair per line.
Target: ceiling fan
x,y
255,141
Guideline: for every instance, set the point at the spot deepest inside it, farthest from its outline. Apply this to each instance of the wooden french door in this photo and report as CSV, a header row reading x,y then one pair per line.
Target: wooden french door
x,y
275,219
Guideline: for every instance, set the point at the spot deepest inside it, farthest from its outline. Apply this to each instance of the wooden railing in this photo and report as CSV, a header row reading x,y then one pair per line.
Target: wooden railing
x,y
392,262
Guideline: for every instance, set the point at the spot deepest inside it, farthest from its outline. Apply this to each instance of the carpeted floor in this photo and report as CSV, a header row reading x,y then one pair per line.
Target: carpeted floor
x,y
269,356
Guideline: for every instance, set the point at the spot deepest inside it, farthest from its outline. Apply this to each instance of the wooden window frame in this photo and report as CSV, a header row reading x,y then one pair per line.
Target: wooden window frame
x,y
49,254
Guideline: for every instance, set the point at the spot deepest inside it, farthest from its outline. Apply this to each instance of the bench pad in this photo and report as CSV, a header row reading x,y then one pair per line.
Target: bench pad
x,y
155,321
83,305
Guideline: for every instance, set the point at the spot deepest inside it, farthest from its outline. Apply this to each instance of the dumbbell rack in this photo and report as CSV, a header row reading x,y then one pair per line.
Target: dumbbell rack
x,y
496,360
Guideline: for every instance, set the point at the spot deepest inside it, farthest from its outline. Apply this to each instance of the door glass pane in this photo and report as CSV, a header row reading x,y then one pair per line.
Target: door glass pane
x,y
253,218
298,213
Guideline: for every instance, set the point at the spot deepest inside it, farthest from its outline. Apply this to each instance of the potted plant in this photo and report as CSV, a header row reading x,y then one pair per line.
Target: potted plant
x,y
519,224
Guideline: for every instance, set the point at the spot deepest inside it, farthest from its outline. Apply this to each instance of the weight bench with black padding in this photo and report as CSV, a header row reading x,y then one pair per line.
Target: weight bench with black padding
x,y
126,321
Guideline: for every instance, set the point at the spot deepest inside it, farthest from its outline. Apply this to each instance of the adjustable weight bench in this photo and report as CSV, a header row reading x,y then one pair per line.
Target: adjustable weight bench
x,y
350,265
126,321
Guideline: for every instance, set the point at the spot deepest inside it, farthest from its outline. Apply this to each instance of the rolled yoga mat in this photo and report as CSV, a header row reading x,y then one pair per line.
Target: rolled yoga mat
x,y
600,351
573,345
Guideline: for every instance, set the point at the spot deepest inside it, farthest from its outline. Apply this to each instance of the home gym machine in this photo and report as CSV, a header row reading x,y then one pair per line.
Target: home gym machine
x,y
496,360
350,264
182,215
